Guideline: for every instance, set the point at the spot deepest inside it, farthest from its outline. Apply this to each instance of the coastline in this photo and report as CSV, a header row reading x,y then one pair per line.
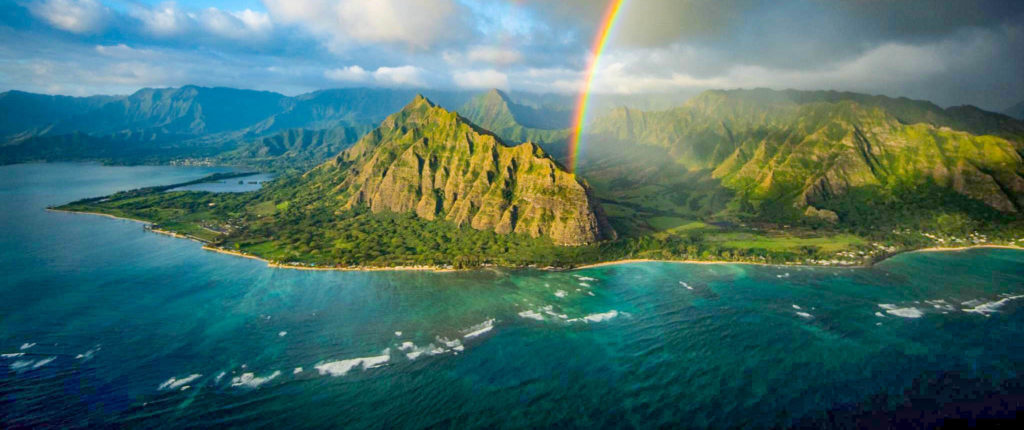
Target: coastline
x,y
964,248
100,214
929,249
276,265
326,268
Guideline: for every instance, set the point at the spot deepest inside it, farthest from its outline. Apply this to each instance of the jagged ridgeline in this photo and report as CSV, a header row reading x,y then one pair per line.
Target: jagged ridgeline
x,y
815,153
436,164
514,122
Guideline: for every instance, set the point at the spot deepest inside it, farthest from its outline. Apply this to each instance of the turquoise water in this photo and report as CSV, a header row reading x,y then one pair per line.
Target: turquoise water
x,y
119,326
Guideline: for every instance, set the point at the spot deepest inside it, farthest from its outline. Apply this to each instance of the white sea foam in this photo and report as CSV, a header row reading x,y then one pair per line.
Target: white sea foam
x,y
219,377
531,315
905,312
479,329
879,314
186,387
805,315
21,364
250,380
398,334
12,355
584,284
413,352
560,293
282,333
586,278
407,346
42,362
989,308
605,316
550,311
796,307
297,371
175,382
887,306
940,304
590,293
598,317
25,346
87,355
341,367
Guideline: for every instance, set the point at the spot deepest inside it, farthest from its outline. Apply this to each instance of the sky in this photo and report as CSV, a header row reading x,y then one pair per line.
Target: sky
x,y
950,52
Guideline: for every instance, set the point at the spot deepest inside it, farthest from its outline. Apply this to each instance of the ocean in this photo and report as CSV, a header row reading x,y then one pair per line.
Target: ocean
x,y
105,324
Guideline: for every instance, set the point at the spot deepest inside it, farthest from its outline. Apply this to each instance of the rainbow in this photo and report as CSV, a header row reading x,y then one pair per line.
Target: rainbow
x,y
580,117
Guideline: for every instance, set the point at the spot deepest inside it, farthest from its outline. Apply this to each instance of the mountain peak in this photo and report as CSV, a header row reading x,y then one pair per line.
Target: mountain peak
x,y
440,166
420,100
494,92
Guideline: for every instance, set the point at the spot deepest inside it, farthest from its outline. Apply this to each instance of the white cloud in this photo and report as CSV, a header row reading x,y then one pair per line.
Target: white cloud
x,y
497,55
76,16
236,25
480,79
410,76
123,51
165,19
168,20
401,76
348,74
415,23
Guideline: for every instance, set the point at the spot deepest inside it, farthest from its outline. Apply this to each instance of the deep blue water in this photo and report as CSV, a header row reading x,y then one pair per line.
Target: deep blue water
x,y
107,324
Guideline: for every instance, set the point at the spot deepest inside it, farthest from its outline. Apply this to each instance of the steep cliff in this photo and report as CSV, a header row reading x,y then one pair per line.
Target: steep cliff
x,y
436,164
786,150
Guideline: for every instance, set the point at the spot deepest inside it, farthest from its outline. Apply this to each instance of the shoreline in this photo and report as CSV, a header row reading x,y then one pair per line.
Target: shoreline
x,y
100,214
964,248
326,268
439,269
909,251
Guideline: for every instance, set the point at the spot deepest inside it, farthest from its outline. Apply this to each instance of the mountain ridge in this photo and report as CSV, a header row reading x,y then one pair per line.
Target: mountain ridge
x,y
791,154
435,163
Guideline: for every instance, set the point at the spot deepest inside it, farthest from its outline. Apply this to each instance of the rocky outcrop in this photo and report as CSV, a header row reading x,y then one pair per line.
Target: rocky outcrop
x,y
789,150
430,161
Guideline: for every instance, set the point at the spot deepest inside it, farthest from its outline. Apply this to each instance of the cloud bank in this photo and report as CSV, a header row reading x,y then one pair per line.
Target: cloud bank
x,y
951,52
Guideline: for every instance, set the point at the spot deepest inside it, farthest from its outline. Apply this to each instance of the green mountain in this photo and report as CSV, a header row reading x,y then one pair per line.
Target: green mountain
x,y
294,149
1016,111
830,155
345,107
189,110
186,122
27,113
430,161
514,122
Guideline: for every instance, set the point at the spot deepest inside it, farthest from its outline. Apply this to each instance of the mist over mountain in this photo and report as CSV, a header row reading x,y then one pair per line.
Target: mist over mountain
x,y
830,155
1016,111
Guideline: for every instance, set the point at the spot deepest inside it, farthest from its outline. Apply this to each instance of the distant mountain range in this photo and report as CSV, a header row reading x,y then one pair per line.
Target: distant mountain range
x,y
1016,111
495,111
155,125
